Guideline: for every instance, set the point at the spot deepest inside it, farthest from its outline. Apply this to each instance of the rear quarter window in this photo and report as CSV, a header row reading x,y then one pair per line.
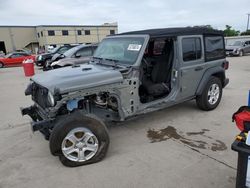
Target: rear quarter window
x,y
214,48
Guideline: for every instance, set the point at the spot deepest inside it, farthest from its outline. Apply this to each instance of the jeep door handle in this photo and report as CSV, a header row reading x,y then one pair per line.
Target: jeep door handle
x,y
198,68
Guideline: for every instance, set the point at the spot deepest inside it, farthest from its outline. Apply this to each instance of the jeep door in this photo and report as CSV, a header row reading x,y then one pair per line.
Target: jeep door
x,y
192,64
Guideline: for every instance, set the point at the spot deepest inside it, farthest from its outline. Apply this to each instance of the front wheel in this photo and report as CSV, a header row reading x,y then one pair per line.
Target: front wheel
x,y
211,95
241,53
1,65
79,140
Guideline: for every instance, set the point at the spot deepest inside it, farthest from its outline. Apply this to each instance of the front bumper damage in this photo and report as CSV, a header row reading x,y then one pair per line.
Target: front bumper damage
x,y
39,123
232,52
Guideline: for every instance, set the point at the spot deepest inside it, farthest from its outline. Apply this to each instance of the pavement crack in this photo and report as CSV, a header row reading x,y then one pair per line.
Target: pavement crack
x,y
171,133
10,126
206,155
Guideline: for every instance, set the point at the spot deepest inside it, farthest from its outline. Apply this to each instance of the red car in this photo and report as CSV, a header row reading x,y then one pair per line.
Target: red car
x,y
15,58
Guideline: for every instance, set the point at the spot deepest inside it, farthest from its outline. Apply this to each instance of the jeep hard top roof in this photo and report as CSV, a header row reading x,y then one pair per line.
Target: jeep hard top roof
x,y
175,31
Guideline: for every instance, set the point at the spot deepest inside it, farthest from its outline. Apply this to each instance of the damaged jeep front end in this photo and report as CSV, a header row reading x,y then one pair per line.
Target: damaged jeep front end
x,y
38,123
41,119
101,101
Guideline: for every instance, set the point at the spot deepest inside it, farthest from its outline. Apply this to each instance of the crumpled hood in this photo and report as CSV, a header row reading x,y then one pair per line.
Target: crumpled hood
x,y
55,56
232,47
70,79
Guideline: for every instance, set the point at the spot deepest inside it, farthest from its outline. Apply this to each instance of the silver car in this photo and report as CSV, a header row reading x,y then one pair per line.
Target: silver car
x,y
131,74
74,56
238,48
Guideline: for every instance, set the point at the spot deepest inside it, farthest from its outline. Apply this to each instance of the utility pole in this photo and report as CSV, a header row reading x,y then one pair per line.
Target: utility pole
x,y
248,15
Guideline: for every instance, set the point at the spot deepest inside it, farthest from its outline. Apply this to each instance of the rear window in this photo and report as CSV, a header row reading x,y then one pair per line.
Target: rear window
x,y
214,48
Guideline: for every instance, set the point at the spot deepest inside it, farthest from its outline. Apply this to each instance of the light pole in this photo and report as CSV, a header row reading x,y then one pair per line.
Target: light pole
x,y
248,21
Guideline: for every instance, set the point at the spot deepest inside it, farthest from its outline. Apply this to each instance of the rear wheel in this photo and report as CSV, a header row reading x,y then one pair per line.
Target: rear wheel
x,y
1,65
79,140
211,95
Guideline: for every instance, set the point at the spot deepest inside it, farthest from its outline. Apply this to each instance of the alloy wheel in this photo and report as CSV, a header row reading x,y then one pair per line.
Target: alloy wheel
x,y
80,145
213,94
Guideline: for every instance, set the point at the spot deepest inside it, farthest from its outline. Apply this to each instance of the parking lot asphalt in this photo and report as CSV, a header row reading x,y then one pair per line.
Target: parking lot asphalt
x,y
197,154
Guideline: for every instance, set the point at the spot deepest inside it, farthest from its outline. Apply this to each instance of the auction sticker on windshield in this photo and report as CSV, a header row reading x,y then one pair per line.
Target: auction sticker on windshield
x,y
134,47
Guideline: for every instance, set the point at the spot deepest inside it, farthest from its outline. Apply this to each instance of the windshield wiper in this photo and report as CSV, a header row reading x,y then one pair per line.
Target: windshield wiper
x,y
96,58
99,58
102,60
114,61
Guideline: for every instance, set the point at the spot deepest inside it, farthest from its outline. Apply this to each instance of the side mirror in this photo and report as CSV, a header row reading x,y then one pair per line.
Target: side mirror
x,y
78,55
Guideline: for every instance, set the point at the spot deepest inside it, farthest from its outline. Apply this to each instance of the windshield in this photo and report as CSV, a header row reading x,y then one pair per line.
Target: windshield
x,y
123,50
236,43
55,49
71,51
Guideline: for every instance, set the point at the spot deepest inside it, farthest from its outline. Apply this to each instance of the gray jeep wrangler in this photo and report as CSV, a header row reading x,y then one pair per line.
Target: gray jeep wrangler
x,y
130,74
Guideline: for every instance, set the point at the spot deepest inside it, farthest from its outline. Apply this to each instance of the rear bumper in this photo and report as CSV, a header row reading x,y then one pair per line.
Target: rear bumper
x,y
38,123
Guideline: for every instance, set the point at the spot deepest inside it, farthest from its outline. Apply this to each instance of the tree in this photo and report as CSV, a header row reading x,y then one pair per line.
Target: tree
x,y
229,31
204,26
246,33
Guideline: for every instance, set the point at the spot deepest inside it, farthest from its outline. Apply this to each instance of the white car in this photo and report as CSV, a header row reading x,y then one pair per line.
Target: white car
x,y
50,48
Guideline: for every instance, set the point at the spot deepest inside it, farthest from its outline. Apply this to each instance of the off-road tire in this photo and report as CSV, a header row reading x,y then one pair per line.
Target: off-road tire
x,y
202,100
77,119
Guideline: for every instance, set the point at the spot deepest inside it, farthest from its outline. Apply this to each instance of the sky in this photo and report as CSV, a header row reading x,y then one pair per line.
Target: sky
x,y
130,15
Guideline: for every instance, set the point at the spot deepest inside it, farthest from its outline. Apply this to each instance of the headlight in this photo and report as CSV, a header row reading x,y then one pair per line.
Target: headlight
x,y
51,99
236,49
39,58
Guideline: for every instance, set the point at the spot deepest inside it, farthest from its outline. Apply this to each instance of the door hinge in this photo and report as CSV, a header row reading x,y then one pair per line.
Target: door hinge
x,y
175,73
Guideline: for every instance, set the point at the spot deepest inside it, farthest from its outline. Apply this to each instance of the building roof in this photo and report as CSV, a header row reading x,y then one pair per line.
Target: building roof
x,y
103,25
176,31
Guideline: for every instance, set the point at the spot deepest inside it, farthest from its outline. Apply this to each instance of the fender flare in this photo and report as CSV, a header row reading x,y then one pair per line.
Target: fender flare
x,y
215,71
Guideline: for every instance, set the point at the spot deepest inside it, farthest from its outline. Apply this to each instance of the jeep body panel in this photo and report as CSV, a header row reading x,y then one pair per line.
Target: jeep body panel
x,y
192,71
207,75
122,83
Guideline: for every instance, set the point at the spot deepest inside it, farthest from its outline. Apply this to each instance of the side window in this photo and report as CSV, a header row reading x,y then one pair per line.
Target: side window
x,y
65,32
62,50
87,32
112,32
79,32
214,48
84,52
15,55
191,49
51,33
